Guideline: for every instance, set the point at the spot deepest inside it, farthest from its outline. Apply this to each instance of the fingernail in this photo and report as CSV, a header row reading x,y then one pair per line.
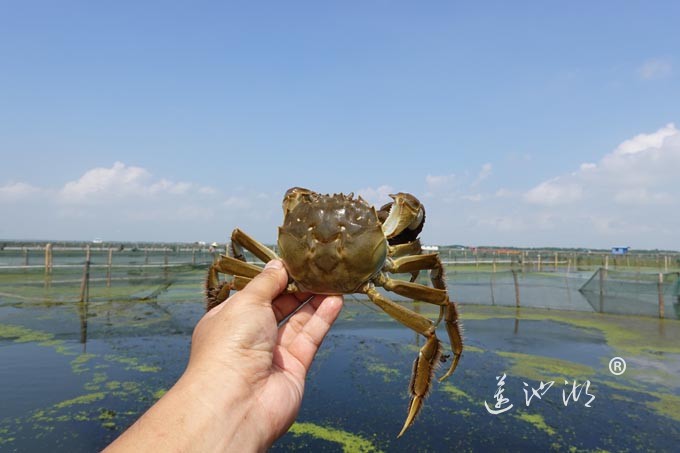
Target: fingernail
x,y
274,264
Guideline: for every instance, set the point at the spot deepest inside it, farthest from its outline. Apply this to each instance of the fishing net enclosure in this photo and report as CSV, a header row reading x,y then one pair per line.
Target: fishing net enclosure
x,y
633,293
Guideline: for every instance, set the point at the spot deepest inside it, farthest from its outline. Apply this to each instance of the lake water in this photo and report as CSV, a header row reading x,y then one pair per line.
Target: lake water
x,y
73,377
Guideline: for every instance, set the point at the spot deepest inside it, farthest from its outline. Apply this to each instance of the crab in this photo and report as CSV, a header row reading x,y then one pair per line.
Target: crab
x,y
338,244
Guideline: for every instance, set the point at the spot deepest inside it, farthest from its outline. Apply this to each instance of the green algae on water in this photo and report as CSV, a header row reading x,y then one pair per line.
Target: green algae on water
x,y
540,368
82,399
388,374
349,442
22,334
132,363
537,421
455,393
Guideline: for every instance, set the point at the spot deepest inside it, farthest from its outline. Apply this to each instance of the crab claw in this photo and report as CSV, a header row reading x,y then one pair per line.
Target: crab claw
x,y
405,219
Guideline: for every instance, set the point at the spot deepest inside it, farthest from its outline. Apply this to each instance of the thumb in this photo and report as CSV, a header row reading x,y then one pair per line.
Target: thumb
x,y
268,284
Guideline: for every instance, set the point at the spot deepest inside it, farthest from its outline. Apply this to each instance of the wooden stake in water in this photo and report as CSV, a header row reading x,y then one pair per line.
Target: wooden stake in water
x,y
602,276
48,258
556,261
661,302
85,284
108,272
514,277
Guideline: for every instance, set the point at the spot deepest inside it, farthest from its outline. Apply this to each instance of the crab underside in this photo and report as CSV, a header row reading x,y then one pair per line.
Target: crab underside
x,y
336,244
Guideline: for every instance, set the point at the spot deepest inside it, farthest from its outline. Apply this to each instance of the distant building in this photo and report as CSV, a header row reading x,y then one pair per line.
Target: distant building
x,y
430,248
620,250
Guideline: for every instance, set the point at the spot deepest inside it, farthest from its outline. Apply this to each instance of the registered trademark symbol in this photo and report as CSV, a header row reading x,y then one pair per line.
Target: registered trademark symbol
x,y
617,366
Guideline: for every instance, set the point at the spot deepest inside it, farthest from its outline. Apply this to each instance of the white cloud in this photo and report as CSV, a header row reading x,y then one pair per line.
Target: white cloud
x,y
437,183
17,191
642,196
122,183
646,142
554,192
124,202
628,195
477,197
504,193
236,202
483,174
655,68
377,196
117,181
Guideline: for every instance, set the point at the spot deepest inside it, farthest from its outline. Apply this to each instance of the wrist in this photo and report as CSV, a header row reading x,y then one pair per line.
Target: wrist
x,y
226,404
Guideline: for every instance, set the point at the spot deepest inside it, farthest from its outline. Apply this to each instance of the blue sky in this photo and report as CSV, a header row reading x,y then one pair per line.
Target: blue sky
x,y
182,120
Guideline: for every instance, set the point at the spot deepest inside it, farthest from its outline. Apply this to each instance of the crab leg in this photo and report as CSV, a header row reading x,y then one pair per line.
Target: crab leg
x,y
415,263
433,262
216,291
423,366
240,241
448,311
409,248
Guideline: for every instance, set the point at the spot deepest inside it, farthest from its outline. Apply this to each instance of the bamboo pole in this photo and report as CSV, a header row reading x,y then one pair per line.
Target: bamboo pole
x,y
538,269
25,256
556,262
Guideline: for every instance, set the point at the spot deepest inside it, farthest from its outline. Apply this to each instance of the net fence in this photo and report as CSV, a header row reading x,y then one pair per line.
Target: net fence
x,y
636,293
143,275
600,290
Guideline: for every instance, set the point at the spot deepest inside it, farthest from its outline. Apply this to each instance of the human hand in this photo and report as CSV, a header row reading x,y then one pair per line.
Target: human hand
x,y
244,383
239,339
